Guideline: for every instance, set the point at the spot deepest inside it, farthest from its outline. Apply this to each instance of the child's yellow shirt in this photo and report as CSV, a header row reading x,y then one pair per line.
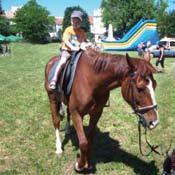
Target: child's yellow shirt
x,y
74,36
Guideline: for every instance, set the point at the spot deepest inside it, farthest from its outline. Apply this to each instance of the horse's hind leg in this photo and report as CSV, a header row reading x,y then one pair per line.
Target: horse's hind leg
x,y
55,106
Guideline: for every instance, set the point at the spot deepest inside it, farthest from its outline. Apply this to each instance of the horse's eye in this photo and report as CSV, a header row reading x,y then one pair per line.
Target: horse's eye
x,y
141,89
147,80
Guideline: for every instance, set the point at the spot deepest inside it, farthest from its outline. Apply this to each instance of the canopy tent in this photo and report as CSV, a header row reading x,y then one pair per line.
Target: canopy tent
x,y
2,38
12,38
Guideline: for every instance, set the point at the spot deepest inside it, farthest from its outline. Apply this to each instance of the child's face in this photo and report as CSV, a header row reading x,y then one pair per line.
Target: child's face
x,y
76,23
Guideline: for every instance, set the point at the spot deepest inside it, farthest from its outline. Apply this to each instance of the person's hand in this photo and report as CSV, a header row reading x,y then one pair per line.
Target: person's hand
x,y
85,45
75,48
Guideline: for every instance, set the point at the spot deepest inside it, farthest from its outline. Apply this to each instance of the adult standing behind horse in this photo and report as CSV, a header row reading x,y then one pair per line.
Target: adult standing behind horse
x,y
73,36
161,57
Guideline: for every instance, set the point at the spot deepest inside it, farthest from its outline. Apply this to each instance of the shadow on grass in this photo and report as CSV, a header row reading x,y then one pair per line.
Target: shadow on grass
x,y
106,149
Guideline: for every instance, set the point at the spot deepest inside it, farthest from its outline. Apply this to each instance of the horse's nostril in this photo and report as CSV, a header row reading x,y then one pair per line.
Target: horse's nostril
x,y
153,124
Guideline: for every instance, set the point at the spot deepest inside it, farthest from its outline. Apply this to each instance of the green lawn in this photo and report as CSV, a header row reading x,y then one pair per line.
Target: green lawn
x,y
27,136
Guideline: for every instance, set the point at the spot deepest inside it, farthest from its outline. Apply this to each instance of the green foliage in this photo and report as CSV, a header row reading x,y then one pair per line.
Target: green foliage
x,y
67,18
124,14
90,36
4,26
60,33
171,24
161,17
166,24
33,21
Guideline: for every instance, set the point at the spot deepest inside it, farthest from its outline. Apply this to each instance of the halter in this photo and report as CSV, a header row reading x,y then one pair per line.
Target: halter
x,y
140,111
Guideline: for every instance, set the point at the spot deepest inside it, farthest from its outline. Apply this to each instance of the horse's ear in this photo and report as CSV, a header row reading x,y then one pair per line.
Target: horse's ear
x,y
140,83
130,63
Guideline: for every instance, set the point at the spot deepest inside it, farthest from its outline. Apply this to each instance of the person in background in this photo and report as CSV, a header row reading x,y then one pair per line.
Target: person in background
x,y
140,49
143,50
73,36
146,52
160,60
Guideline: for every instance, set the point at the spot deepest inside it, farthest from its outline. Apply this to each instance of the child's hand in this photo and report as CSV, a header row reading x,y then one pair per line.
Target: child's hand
x,y
85,45
75,48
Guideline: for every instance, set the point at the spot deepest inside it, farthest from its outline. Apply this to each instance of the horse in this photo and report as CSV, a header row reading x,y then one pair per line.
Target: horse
x,y
96,75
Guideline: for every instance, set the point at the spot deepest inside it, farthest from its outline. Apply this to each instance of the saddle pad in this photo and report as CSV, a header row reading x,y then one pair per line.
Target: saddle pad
x,y
69,73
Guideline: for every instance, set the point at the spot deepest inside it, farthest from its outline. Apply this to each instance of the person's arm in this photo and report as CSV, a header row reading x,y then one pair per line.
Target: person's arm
x,y
72,48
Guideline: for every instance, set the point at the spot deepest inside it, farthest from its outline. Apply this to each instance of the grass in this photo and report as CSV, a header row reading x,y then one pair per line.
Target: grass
x,y
27,137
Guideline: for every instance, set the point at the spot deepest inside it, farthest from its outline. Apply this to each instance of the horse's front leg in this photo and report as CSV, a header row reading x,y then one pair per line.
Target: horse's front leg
x,y
83,143
94,117
55,106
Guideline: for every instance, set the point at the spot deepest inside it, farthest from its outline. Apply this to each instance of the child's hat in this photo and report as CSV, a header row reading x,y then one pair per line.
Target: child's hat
x,y
77,14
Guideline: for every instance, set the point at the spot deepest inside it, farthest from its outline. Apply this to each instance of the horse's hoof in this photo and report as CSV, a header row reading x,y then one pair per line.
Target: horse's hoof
x,y
77,169
85,169
59,152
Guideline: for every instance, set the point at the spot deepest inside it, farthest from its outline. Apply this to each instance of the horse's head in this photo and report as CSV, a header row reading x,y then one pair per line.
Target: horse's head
x,y
138,90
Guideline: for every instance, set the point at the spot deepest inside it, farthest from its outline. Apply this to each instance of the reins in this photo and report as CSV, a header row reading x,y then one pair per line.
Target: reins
x,y
141,121
152,147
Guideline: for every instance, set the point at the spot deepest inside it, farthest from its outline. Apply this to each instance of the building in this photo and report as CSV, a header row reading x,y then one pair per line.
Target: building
x,y
98,28
58,23
11,13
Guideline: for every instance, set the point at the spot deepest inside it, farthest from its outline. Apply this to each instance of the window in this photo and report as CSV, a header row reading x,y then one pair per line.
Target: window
x,y
172,43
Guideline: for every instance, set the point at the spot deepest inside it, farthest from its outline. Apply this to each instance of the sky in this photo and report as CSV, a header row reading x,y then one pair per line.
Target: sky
x,y
56,7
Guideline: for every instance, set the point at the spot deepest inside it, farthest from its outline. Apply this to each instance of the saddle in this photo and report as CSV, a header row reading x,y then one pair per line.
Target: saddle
x,y
66,76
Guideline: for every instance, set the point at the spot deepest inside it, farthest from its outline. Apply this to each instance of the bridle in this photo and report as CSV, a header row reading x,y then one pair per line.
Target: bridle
x,y
140,111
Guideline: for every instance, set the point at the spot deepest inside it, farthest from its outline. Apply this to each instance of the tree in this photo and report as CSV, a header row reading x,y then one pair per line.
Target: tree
x,y
170,25
33,21
67,18
4,26
124,14
165,20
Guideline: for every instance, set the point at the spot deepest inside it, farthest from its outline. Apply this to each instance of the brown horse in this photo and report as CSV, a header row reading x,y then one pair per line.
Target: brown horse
x,y
97,74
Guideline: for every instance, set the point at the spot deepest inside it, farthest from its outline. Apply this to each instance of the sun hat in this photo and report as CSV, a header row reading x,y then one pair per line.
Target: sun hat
x,y
77,14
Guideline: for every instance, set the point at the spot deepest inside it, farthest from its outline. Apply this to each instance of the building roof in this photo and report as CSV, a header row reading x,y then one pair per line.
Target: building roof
x,y
91,20
11,13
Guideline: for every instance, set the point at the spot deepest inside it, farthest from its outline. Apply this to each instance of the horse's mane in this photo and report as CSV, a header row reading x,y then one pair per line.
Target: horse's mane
x,y
102,61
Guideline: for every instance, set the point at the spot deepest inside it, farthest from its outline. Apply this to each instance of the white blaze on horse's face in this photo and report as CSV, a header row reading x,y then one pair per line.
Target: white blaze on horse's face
x,y
58,142
151,89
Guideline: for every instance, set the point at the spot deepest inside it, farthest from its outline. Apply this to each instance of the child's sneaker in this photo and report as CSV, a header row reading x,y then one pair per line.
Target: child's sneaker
x,y
52,85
